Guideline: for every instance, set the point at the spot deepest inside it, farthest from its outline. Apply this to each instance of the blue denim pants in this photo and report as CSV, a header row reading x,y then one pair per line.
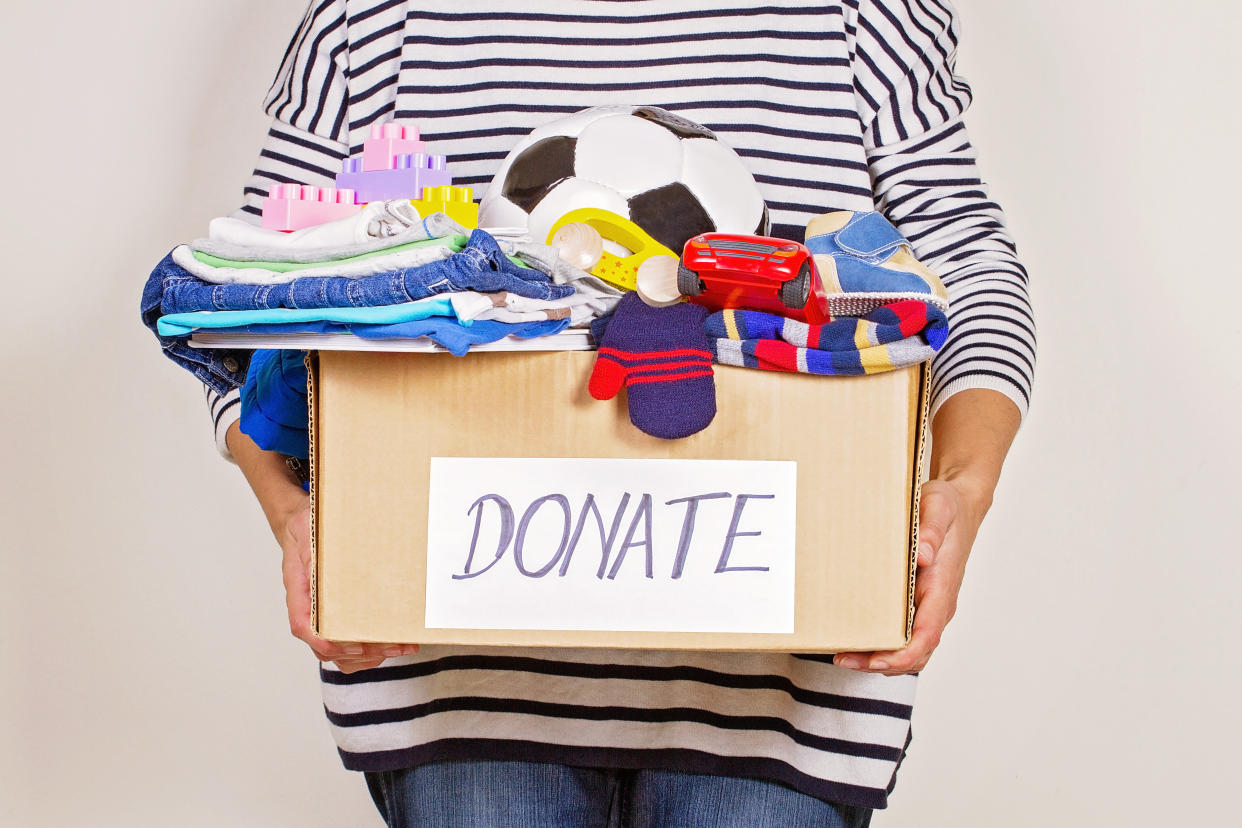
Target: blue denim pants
x,y
476,794
481,266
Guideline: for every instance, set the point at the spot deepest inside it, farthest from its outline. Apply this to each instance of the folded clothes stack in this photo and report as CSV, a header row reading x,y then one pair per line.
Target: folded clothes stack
x,y
384,272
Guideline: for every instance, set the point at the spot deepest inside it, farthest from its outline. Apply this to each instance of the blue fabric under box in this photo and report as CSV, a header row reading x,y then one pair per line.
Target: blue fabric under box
x,y
273,402
273,411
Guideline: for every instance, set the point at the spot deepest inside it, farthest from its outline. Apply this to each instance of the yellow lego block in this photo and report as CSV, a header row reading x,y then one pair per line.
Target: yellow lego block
x,y
456,202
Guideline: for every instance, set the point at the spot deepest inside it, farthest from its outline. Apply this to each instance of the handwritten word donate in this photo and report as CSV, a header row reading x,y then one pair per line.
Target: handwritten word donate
x,y
590,543
499,526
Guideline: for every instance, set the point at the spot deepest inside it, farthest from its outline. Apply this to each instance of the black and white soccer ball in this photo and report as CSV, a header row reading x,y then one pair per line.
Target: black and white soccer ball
x,y
667,174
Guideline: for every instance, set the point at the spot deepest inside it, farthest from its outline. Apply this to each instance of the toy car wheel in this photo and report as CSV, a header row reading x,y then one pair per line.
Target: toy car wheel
x,y
795,292
688,282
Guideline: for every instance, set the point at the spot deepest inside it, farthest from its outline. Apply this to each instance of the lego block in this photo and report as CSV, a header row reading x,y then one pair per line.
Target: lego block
x,y
456,202
387,142
292,207
407,179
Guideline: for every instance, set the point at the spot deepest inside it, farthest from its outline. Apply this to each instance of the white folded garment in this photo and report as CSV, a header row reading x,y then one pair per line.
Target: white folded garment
x,y
372,266
580,308
379,225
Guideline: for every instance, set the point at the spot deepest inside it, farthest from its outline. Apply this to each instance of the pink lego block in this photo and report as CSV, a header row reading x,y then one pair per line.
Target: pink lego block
x,y
388,141
410,174
292,207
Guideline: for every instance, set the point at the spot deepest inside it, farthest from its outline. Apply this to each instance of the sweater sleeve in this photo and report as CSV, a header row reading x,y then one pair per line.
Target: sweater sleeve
x,y
925,179
305,141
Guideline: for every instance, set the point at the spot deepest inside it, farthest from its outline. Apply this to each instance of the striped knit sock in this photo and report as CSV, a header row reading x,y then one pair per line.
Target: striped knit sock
x,y
892,336
662,358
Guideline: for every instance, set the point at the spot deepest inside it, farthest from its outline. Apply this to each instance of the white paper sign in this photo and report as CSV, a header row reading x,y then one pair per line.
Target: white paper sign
x,y
602,544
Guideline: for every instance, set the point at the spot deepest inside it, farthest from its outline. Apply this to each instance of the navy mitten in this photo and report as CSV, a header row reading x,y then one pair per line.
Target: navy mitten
x,y
662,358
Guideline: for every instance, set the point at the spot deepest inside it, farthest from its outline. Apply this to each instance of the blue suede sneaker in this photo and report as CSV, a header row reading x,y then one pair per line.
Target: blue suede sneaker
x,y
865,262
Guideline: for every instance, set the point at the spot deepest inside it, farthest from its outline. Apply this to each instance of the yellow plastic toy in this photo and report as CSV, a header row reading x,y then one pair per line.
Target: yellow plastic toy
x,y
621,271
456,202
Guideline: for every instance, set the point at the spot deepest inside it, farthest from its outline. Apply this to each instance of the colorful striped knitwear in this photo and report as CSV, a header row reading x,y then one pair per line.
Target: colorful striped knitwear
x,y
896,335
662,358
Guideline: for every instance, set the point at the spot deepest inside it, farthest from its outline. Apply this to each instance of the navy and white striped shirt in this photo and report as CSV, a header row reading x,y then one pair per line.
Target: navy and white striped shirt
x,y
848,105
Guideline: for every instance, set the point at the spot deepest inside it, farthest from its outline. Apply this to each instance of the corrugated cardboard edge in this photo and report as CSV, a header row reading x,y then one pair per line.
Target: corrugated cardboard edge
x,y
920,437
312,413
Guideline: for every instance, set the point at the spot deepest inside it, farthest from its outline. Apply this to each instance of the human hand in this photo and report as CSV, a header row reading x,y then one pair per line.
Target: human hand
x,y
293,533
950,513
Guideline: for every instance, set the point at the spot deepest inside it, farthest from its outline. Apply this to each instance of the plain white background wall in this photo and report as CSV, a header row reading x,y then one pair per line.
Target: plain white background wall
x,y
1090,678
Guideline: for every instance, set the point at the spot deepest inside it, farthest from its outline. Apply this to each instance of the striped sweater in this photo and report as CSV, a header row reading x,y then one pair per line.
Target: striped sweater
x,y
848,105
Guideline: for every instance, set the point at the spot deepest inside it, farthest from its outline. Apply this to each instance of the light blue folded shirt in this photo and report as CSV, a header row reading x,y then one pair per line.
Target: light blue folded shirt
x,y
455,338
184,324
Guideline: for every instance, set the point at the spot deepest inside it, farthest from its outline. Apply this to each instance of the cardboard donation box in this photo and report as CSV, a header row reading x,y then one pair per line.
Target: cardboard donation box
x,y
489,500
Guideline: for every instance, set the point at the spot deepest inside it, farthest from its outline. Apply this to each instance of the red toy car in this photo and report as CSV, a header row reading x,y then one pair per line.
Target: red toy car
x,y
725,270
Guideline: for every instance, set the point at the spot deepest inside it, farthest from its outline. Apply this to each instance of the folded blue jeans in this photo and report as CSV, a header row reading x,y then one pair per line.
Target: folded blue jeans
x,y
220,369
480,266
536,795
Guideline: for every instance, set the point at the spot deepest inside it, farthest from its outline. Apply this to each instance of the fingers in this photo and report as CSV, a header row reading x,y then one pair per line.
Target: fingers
x,y
356,655
353,656
946,532
366,656
297,596
346,665
852,661
349,664
937,510
912,658
936,601
349,656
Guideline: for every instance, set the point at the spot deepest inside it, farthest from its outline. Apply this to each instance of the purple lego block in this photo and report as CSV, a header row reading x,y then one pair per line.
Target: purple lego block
x,y
387,142
411,174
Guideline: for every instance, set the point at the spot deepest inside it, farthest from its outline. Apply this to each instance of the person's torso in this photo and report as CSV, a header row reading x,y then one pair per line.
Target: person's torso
x,y
774,82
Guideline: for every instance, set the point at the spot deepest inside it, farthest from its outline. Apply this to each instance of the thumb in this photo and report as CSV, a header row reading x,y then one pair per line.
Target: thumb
x,y
607,376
